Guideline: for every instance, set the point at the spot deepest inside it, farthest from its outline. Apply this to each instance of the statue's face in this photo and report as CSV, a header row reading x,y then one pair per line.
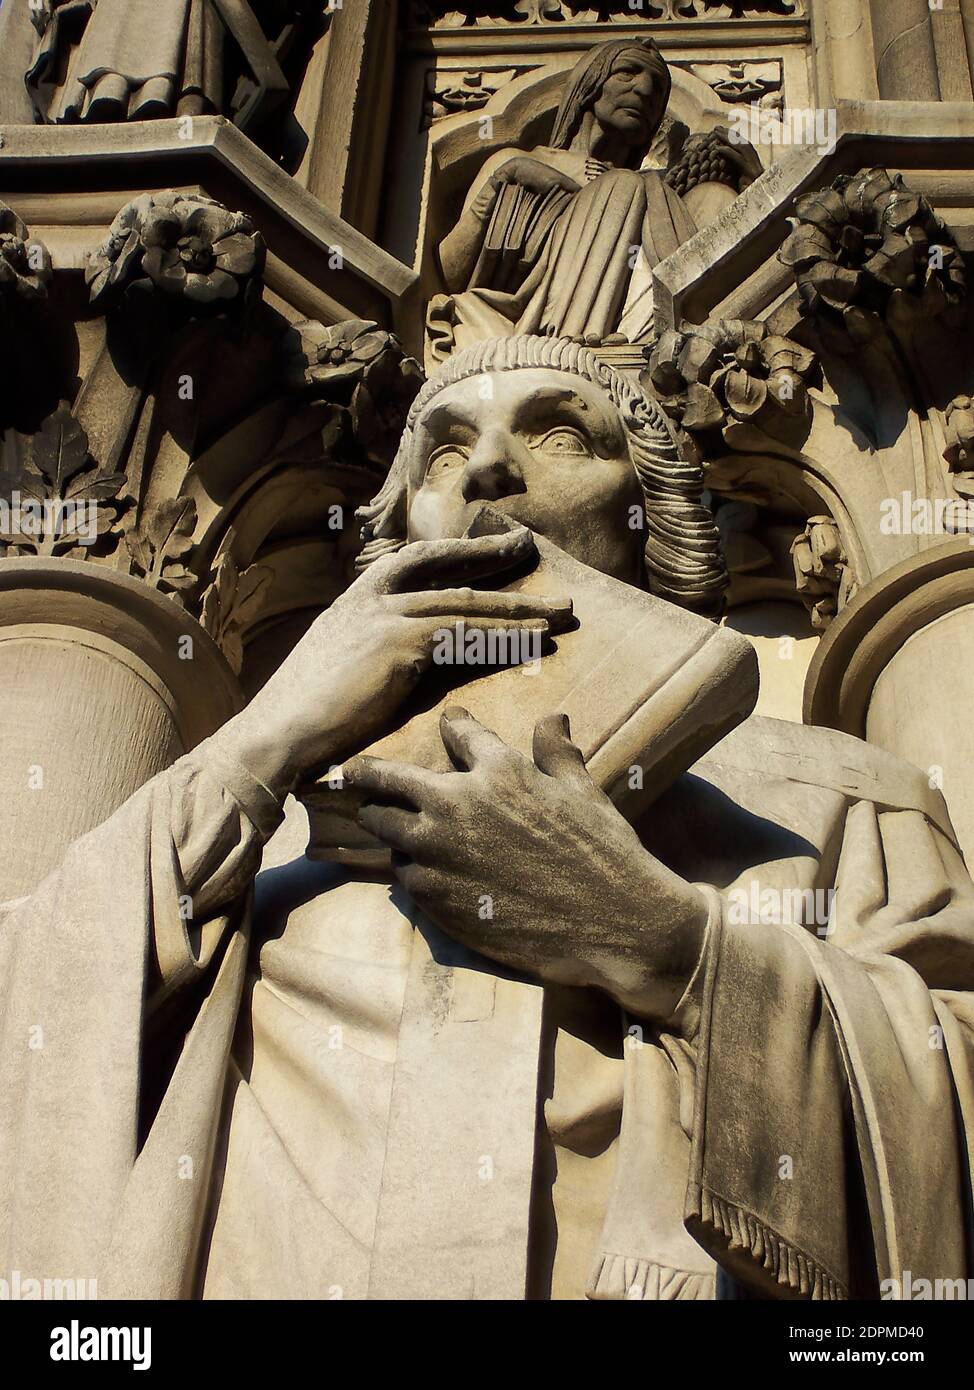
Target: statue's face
x,y
547,448
628,104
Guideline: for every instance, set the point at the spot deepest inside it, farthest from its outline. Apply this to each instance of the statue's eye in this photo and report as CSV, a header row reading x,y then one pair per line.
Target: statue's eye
x,y
445,460
563,441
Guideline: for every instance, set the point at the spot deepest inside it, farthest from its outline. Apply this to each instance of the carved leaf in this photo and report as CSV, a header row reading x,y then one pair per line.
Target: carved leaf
x,y
703,410
746,394
170,528
164,536
232,602
59,449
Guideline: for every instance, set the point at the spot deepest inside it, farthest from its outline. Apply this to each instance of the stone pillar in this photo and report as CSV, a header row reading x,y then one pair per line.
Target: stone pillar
x,y
896,667
906,57
106,682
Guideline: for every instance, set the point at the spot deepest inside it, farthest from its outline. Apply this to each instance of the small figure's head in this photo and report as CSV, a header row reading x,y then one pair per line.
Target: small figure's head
x,y
626,85
552,436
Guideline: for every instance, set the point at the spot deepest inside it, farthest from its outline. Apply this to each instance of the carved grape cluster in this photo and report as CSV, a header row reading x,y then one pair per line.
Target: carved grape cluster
x,y
703,160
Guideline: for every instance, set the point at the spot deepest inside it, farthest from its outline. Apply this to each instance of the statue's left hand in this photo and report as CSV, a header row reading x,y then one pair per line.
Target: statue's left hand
x,y
530,864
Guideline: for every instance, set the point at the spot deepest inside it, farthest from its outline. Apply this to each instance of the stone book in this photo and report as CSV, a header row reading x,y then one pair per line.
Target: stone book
x,y
648,689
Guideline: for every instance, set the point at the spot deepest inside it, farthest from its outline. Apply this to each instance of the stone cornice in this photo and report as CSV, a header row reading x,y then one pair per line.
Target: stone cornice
x,y
669,34
39,165
713,266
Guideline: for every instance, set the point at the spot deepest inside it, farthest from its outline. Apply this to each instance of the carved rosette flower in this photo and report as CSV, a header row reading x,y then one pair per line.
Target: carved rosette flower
x,y
186,246
363,370
325,357
711,377
867,239
25,265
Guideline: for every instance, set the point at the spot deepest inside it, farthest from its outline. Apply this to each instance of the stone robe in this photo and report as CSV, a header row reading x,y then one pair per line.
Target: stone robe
x,y
357,1114
590,277
136,60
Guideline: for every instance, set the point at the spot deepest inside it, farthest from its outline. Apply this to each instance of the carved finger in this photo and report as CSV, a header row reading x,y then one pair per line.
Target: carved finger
x,y
481,604
381,779
555,754
466,740
395,827
438,564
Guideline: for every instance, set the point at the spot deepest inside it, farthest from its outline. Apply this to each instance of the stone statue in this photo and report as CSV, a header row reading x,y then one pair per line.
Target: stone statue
x,y
322,1115
137,60
562,239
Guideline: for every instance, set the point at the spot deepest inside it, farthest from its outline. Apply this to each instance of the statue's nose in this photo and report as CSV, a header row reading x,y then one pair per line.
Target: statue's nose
x,y
493,470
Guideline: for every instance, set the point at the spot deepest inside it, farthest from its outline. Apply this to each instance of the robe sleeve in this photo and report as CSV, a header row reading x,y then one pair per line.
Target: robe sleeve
x,y
834,1079
148,902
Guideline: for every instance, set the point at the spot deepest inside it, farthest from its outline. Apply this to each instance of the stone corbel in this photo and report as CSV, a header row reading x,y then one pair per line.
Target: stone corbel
x,y
879,276
733,382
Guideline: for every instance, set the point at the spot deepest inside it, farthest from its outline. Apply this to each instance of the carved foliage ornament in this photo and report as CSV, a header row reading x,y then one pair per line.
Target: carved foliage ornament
x,y
231,603
187,246
866,241
57,501
363,371
714,378
959,450
447,14
823,575
25,266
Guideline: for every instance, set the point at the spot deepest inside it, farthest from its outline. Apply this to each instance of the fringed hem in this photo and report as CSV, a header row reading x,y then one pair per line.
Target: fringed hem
x,y
622,1277
744,1231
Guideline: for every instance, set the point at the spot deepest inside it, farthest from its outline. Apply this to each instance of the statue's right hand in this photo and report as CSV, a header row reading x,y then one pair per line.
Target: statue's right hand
x,y
348,675
533,175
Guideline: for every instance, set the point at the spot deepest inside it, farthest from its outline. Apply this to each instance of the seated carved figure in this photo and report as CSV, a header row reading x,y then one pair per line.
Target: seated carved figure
x,y
630,1087
562,239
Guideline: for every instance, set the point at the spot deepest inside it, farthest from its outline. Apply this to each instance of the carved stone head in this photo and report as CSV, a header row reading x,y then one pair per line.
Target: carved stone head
x,y
625,84
550,434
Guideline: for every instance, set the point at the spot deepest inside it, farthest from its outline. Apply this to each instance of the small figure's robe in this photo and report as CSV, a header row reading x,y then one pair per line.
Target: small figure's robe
x,y
136,60
355,1117
590,277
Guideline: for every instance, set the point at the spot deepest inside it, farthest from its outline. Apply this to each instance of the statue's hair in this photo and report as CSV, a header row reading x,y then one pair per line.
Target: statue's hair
x,y
588,77
683,557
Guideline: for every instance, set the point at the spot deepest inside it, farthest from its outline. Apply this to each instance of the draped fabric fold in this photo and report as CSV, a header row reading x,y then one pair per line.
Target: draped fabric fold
x,y
832,1127
136,60
593,273
95,1187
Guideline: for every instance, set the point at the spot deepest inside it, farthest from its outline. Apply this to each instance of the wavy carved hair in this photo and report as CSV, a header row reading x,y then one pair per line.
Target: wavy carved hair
x,y
588,77
683,558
